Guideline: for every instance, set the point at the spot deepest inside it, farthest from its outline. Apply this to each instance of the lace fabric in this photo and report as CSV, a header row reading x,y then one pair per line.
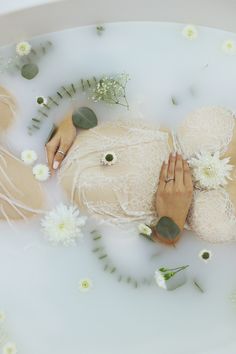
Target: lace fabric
x,y
15,200
126,191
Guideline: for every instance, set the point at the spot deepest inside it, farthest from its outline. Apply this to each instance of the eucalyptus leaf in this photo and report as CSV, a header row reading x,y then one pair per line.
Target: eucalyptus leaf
x,y
29,71
167,228
84,118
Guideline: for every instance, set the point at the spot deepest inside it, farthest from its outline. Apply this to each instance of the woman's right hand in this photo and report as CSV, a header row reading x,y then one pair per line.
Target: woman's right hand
x,y
60,143
175,191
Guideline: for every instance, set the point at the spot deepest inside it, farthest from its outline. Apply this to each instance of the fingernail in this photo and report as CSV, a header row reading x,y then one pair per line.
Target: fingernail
x,y
55,165
166,161
174,153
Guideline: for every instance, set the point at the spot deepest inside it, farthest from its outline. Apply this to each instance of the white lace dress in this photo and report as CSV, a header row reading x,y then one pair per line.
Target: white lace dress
x,y
125,191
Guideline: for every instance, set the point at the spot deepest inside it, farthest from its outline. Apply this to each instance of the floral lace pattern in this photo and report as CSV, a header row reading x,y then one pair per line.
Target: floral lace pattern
x,y
126,191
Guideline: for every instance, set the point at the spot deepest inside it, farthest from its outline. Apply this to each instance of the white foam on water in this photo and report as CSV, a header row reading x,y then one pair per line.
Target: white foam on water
x,y
39,283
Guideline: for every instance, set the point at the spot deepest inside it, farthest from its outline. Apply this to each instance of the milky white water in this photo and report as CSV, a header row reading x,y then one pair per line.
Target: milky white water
x,y
39,284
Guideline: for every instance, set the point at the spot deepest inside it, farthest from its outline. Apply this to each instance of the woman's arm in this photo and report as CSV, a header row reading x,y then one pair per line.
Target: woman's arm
x,y
60,143
174,193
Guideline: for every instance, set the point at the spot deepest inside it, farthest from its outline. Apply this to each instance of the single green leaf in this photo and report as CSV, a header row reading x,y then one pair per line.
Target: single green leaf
x,y
84,118
167,228
29,71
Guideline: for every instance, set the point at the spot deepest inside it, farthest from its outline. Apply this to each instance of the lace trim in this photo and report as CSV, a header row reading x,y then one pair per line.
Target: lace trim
x,y
206,129
6,195
212,216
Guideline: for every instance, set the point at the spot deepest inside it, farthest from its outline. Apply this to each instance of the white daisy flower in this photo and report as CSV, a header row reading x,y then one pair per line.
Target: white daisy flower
x,y
108,158
41,100
144,230
209,171
229,47
2,317
160,279
190,32
205,255
29,157
23,48
63,224
41,172
9,348
85,285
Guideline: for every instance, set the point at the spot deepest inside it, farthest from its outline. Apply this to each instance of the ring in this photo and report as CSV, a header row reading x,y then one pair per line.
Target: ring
x,y
169,179
61,152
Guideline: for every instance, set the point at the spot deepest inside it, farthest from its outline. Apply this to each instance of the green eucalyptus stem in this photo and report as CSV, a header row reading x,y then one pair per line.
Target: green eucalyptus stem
x,y
111,90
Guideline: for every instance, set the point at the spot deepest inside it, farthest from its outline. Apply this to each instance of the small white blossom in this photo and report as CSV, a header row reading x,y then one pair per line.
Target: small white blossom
x,y
190,32
41,100
23,48
85,285
144,229
29,157
63,224
2,317
205,255
209,171
229,47
41,172
108,158
160,279
9,348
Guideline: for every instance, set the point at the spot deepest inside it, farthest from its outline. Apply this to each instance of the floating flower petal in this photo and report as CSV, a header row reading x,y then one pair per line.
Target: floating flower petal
x,y
41,172
209,171
205,255
29,157
62,225
190,32
144,230
23,48
108,158
9,348
229,47
85,285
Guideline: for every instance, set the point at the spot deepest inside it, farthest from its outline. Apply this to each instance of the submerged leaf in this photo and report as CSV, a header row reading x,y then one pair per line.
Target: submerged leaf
x,y
84,118
29,71
167,228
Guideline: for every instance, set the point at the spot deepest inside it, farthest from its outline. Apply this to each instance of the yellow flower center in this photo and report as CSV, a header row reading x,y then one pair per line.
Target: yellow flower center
x,y
85,284
61,226
209,171
190,33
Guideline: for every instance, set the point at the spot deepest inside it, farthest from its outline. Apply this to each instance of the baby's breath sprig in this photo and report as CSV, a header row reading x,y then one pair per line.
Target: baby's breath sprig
x,y
107,89
112,90
108,265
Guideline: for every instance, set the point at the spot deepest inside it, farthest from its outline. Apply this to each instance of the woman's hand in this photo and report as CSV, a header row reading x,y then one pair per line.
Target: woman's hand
x,y
175,190
60,143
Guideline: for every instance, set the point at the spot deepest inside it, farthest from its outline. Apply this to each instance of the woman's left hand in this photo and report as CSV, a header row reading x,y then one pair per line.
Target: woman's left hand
x,y
60,143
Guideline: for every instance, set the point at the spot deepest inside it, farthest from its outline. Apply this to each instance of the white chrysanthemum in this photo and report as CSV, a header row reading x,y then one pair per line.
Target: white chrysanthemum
x,y
23,48
205,255
229,47
209,171
144,229
160,280
29,157
190,32
2,317
41,172
108,158
85,285
63,224
41,100
9,348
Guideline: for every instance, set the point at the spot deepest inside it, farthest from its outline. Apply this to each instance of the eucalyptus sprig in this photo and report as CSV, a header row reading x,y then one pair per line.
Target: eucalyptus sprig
x,y
108,265
107,89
